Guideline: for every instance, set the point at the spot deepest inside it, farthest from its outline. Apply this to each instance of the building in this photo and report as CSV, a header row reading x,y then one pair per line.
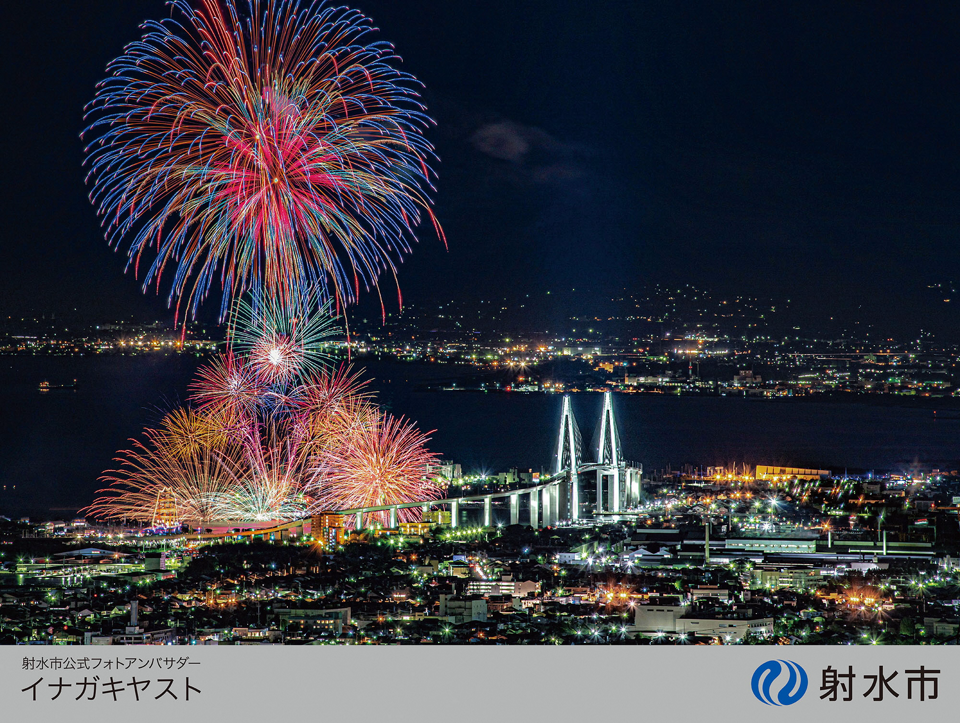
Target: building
x,y
155,561
506,585
132,636
772,545
775,474
671,617
702,592
329,529
420,529
789,577
310,620
448,470
225,597
942,626
730,629
746,378
459,610
437,517
458,569
500,604
658,616
642,556
165,510
255,636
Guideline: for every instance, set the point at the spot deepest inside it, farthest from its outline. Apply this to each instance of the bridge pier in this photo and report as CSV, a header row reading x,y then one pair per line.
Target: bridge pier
x,y
613,490
633,485
487,512
574,496
562,496
393,518
547,506
535,509
600,490
515,509
454,513
359,524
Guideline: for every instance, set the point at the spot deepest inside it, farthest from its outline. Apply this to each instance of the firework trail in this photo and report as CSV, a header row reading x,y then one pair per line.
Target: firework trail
x,y
272,487
271,146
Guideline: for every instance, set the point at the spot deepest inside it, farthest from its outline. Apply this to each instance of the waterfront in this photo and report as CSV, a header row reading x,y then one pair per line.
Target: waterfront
x,y
56,444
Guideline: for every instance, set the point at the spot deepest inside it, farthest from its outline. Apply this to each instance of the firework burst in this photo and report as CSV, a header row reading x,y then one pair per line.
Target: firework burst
x,y
185,432
336,406
384,463
283,342
257,446
166,480
272,146
228,388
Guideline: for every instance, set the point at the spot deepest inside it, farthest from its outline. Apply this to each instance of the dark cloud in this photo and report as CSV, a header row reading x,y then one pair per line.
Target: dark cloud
x,y
545,158
504,140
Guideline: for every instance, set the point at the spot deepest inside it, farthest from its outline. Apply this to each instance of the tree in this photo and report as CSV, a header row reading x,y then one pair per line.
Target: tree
x,y
908,629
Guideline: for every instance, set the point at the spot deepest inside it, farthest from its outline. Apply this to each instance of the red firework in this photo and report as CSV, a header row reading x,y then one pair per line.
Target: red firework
x,y
266,145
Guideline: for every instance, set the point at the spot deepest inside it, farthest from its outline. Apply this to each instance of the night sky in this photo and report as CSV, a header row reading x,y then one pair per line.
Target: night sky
x,y
807,150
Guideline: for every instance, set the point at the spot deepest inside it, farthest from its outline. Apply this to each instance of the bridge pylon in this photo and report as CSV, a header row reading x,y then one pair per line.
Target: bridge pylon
x,y
609,455
568,455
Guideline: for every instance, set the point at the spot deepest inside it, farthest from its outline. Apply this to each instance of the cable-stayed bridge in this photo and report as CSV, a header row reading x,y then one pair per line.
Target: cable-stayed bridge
x,y
561,496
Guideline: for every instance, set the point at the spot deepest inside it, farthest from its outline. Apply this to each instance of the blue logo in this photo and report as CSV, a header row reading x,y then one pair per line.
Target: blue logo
x,y
767,674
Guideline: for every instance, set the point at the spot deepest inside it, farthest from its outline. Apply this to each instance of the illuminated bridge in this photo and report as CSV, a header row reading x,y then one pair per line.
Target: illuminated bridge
x,y
561,496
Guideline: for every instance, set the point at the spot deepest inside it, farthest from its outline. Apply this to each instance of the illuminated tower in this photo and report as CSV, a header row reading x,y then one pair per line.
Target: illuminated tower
x,y
165,509
568,455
